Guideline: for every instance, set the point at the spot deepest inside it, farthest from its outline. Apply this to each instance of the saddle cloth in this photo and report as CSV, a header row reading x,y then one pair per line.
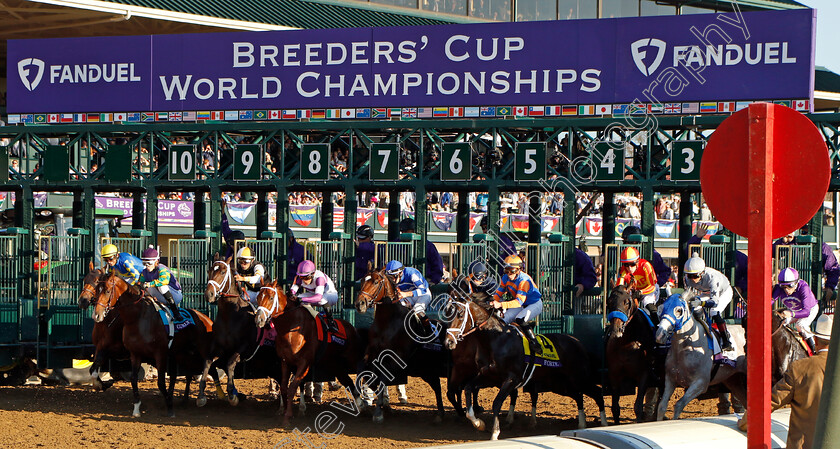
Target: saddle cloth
x,y
549,357
81,363
324,334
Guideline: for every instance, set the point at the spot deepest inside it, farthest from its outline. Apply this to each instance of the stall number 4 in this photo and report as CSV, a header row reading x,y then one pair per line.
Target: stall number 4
x,y
609,161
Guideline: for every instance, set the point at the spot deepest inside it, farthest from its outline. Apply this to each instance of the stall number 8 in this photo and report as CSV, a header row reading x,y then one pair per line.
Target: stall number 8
x,y
315,162
186,163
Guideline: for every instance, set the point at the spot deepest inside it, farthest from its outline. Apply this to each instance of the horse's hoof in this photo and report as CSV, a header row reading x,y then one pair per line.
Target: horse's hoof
x,y
171,414
201,402
437,420
234,400
494,436
479,425
532,424
378,419
135,415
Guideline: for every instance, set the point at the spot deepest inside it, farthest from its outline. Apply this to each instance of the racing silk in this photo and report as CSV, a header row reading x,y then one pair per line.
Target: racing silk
x,y
412,281
364,253
295,257
644,279
713,283
584,270
128,268
506,247
316,288
801,302
522,288
253,275
481,292
160,276
831,268
662,270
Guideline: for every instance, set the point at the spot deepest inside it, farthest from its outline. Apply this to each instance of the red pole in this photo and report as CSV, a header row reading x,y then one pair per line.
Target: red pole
x,y
760,200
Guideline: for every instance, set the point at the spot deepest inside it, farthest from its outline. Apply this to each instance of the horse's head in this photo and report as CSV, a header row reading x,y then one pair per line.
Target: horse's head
x,y
465,317
271,303
376,286
219,279
675,313
89,286
459,288
620,307
108,294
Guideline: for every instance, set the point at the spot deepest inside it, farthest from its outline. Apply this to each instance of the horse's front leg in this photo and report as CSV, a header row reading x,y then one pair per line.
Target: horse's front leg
x,y
434,382
666,396
232,394
469,397
639,403
162,365
694,390
135,391
512,408
505,390
201,401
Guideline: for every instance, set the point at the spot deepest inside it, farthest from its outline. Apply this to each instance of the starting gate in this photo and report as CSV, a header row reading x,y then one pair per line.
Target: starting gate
x,y
714,255
327,257
544,262
11,304
131,245
387,251
612,263
189,262
798,257
461,255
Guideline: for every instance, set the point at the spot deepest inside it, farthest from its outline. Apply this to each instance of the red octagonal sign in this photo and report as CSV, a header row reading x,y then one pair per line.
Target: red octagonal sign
x,y
801,171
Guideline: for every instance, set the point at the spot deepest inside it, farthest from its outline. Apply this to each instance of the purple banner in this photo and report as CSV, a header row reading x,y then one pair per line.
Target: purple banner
x,y
169,211
703,57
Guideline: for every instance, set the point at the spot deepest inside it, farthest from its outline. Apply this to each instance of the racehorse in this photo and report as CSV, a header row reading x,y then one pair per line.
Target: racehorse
x,y
299,348
236,336
630,353
399,336
463,356
689,363
502,364
786,347
146,338
107,335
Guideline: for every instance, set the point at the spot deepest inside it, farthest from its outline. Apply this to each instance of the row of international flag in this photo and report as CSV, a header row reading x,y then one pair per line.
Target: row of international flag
x,y
591,110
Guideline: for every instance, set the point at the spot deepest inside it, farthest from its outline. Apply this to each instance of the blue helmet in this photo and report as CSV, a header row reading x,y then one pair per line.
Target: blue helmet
x,y
394,267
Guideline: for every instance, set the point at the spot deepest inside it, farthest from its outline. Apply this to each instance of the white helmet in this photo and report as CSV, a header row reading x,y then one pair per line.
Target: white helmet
x,y
245,253
694,265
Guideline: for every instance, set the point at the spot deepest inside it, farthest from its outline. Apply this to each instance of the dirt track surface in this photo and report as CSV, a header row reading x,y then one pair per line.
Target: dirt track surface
x,y
78,416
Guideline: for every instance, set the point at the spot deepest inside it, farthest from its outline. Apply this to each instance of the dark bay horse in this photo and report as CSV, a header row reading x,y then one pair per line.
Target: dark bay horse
x,y
236,336
107,334
630,354
297,345
464,367
501,363
396,336
786,347
146,338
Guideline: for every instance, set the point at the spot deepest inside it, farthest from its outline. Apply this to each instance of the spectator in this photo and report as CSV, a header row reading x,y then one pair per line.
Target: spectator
x,y
585,277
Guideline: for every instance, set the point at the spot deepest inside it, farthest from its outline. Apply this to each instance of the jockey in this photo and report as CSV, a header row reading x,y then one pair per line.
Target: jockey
x,y
526,303
316,288
249,271
800,304
481,287
715,294
639,274
662,270
159,282
413,289
365,250
126,266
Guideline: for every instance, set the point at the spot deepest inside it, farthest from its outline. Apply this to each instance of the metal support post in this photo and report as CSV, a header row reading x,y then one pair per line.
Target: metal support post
x,y
534,217
685,231
394,216
462,220
282,226
648,222
351,206
327,208
421,228
262,212
151,212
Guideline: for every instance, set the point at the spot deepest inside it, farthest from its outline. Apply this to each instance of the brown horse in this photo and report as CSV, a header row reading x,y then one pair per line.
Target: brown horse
x,y
236,336
107,334
786,347
299,349
398,338
501,362
630,351
146,338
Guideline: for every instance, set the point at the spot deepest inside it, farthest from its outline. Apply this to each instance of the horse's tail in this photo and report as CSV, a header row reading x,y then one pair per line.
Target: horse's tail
x,y
204,319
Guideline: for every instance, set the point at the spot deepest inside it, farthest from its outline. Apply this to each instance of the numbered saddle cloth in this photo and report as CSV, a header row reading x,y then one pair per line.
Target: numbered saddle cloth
x,y
549,357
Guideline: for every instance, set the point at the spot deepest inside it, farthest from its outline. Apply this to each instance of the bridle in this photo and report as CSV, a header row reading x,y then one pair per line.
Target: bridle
x,y
219,288
275,304
379,293
625,318
459,333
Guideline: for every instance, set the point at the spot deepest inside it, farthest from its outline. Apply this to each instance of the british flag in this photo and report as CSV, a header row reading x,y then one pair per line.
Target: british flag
x,y
673,108
409,112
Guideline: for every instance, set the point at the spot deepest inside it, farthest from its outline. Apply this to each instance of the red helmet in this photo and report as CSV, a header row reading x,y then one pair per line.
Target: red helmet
x,y
629,254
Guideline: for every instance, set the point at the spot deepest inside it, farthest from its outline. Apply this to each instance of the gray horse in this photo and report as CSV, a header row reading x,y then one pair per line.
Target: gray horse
x,y
689,363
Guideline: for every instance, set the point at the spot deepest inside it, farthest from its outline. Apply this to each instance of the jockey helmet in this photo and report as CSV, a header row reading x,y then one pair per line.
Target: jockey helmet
x,y
788,277
245,253
234,236
629,255
150,254
694,265
306,268
364,232
630,230
479,272
109,251
407,225
394,268
513,261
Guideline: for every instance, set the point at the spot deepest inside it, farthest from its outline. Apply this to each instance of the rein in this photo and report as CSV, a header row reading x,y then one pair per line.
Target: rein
x,y
378,293
275,303
461,333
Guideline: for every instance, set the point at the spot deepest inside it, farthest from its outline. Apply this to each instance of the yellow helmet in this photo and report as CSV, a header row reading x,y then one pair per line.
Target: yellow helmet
x,y
109,250
245,253
513,261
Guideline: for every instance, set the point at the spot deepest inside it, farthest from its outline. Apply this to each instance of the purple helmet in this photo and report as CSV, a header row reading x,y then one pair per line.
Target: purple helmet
x,y
150,254
306,268
788,276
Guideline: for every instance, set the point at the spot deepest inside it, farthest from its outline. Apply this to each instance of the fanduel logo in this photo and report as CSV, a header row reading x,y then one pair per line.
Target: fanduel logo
x,y
24,70
639,54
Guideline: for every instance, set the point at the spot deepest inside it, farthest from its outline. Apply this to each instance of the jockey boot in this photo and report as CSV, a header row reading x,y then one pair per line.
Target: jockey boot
x,y
529,334
811,344
654,314
425,322
170,301
331,325
725,344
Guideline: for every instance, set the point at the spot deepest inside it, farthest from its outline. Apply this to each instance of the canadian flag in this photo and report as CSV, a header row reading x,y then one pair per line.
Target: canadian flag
x,y
593,226
520,111
800,105
53,118
274,114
